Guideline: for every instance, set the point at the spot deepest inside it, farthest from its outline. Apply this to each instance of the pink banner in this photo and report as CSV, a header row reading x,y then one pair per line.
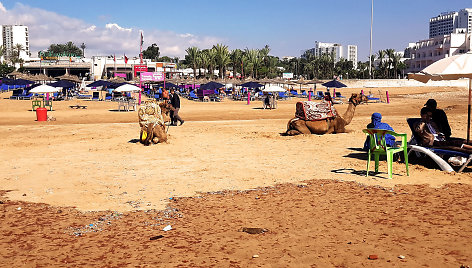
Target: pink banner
x,y
152,76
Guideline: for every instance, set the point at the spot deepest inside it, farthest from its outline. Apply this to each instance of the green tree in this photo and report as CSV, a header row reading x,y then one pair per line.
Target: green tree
x,y
236,60
67,49
5,69
222,58
151,52
192,57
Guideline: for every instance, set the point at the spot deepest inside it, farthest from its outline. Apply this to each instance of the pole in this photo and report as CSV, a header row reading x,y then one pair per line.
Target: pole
x,y
388,98
370,50
468,112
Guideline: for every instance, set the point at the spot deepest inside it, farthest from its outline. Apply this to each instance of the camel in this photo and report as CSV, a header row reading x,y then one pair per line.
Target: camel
x,y
152,120
337,124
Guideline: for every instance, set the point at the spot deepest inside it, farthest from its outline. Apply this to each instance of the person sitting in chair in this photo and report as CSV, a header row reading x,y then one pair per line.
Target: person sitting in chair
x,y
377,123
439,117
430,135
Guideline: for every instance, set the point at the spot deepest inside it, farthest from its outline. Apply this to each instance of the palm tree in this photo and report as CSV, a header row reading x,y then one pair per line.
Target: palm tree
x,y
205,61
381,56
83,47
15,56
391,55
254,60
193,55
236,59
222,58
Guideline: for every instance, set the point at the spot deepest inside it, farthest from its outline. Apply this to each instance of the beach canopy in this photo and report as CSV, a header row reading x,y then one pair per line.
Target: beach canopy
x,y
19,82
334,83
62,83
100,83
128,88
451,68
44,89
251,85
211,86
274,89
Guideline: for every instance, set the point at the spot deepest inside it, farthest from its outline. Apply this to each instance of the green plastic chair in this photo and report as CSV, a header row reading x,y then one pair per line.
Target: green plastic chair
x,y
47,104
36,104
379,147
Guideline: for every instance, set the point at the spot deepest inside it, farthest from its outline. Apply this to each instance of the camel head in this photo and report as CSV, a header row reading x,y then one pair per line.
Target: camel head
x,y
165,110
357,99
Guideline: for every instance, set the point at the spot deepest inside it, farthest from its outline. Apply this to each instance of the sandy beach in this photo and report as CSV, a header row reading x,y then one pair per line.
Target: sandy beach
x,y
227,167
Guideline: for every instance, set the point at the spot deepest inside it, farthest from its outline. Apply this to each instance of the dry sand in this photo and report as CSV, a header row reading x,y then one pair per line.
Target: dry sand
x,y
90,160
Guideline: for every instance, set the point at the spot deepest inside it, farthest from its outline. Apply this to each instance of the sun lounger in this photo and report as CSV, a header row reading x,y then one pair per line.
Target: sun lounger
x,y
436,154
319,95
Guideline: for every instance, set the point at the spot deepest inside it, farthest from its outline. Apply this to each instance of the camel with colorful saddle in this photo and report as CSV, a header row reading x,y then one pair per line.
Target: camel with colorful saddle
x,y
321,117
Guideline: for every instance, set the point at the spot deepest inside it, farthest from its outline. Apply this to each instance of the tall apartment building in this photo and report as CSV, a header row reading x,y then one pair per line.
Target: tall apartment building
x,y
348,52
13,35
450,22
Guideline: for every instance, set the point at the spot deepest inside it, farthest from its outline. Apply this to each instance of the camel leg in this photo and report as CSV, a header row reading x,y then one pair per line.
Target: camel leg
x,y
301,127
160,135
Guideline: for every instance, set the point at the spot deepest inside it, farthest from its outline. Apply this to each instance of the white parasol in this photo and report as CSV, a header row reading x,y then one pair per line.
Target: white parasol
x,y
127,88
274,89
44,89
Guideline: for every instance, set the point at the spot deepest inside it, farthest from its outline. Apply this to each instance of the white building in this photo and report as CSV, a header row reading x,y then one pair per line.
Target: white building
x,y
13,35
348,52
451,22
425,52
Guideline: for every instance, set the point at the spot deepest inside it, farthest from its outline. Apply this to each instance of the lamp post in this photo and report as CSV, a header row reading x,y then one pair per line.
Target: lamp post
x,y
370,50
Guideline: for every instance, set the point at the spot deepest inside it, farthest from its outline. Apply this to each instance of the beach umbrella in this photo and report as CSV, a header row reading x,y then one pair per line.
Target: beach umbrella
x,y
62,83
100,83
128,88
251,85
68,77
334,83
451,68
211,86
44,89
19,82
274,89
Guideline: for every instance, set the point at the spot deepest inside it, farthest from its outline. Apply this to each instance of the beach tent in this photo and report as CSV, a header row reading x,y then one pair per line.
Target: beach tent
x,y
451,68
19,82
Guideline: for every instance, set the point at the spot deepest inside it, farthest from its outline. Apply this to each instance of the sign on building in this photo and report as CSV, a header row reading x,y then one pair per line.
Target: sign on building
x,y
152,76
140,68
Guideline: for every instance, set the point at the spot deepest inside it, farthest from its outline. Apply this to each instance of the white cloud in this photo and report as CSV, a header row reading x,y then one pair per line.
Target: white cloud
x,y
46,27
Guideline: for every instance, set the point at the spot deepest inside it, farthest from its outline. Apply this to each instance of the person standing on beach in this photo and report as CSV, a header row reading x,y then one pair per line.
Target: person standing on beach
x,y
175,102
440,118
165,95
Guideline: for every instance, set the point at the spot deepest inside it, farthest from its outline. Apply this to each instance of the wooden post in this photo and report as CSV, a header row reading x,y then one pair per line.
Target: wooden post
x,y
309,95
388,98
248,97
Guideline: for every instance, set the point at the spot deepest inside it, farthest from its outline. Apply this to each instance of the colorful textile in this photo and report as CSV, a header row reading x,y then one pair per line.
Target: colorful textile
x,y
314,111
150,113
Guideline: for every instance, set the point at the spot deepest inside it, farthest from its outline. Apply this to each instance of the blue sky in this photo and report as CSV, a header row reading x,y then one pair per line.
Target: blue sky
x,y
288,27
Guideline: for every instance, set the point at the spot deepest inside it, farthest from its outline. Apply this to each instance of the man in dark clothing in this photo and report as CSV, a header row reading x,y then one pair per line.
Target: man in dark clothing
x,y
440,118
174,114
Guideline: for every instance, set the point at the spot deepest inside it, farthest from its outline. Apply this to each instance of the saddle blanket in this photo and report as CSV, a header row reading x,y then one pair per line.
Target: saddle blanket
x,y
314,111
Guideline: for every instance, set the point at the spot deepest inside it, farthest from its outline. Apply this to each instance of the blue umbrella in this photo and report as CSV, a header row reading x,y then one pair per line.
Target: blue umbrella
x,y
211,86
334,83
251,85
19,82
100,83
62,83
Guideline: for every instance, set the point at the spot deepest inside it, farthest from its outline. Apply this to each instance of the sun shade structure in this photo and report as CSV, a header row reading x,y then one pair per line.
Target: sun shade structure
x,y
251,85
100,83
128,88
19,82
451,68
62,83
334,83
44,89
211,86
274,89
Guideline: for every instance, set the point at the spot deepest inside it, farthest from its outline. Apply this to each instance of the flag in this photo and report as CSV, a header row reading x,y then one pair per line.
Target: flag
x,y
126,59
114,58
142,40
70,59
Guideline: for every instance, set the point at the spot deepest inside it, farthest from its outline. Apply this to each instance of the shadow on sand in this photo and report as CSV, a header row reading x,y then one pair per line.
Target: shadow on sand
x,y
362,173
